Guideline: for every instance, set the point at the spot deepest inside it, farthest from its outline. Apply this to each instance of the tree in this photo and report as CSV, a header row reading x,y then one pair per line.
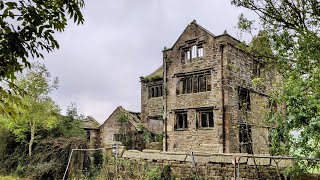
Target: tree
x,y
292,29
70,125
27,28
40,113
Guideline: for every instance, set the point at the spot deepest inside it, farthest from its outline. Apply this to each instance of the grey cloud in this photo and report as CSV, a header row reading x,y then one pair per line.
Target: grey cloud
x,y
99,63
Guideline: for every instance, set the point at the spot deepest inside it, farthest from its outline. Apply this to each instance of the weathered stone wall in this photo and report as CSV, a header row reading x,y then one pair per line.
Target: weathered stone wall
x,y
238,71
93,137
205,166
193,138
154,145
224,61
151,107
112,126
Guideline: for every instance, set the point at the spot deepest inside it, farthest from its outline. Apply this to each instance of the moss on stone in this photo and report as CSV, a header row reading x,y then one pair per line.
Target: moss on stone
x,y
156,75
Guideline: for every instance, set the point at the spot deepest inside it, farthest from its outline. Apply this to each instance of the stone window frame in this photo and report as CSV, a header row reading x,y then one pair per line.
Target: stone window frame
x,y
244,104
192,51
244,99
181,125
257,69
157,117
88,135
118,137
189,84
155,91
207,111
245,138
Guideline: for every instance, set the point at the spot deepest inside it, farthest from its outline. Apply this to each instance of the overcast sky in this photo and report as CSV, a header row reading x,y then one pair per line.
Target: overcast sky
x,y
99,63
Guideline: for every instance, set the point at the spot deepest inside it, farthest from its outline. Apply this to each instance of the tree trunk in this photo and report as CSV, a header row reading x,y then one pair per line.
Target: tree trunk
x,y
32,128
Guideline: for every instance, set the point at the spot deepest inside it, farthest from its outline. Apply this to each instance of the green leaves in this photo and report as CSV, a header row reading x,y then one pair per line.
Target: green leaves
x,y
40,112
292,29
244,24
27,28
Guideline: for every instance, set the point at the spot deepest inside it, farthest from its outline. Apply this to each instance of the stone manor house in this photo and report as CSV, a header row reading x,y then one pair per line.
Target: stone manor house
x,y
202,97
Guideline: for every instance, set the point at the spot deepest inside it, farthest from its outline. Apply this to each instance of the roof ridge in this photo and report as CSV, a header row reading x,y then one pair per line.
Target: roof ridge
x,y
196,24
201,27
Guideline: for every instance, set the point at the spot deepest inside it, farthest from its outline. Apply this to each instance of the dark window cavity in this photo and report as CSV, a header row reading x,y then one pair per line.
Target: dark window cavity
x,y
181,120
245,138
244,99
88,136
257,69
205,118
118,137
155,91
194,84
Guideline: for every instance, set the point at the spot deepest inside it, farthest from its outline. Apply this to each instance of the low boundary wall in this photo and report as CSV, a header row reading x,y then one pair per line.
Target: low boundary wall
x,y
211,166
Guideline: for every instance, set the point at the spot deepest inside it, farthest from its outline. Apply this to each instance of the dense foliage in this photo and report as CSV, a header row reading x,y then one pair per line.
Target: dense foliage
x,y
37,141
292,30
40,112
30,119
27,29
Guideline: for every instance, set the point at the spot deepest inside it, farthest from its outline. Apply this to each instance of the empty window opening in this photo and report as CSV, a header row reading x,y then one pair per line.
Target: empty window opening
x,y
155,91
257,69
194,51
88,136
188,54
200,51
205,118
244,99
194,84
245,139
186,85
118,137
181,121
244,104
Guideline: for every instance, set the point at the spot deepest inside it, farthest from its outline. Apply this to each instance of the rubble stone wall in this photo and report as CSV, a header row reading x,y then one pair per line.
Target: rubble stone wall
x,y
224,61
193,138
207,166
150,107
111,127
238,70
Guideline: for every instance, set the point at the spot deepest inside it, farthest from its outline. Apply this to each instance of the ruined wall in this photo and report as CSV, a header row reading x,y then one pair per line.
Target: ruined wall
x,y
151,107
238,71
93,137
193,138
222,60
112,126
202,166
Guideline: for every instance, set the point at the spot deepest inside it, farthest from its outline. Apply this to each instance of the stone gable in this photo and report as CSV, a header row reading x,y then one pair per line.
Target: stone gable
x,y
208,102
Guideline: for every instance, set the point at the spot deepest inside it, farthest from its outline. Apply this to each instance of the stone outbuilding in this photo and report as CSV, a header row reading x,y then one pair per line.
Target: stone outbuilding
x,y
122,126
91,126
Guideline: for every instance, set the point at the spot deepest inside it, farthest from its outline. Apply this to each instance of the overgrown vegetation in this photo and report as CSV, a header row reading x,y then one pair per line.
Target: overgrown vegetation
x,y
290,46
134,138
29,118
27,29
127,169
37,141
